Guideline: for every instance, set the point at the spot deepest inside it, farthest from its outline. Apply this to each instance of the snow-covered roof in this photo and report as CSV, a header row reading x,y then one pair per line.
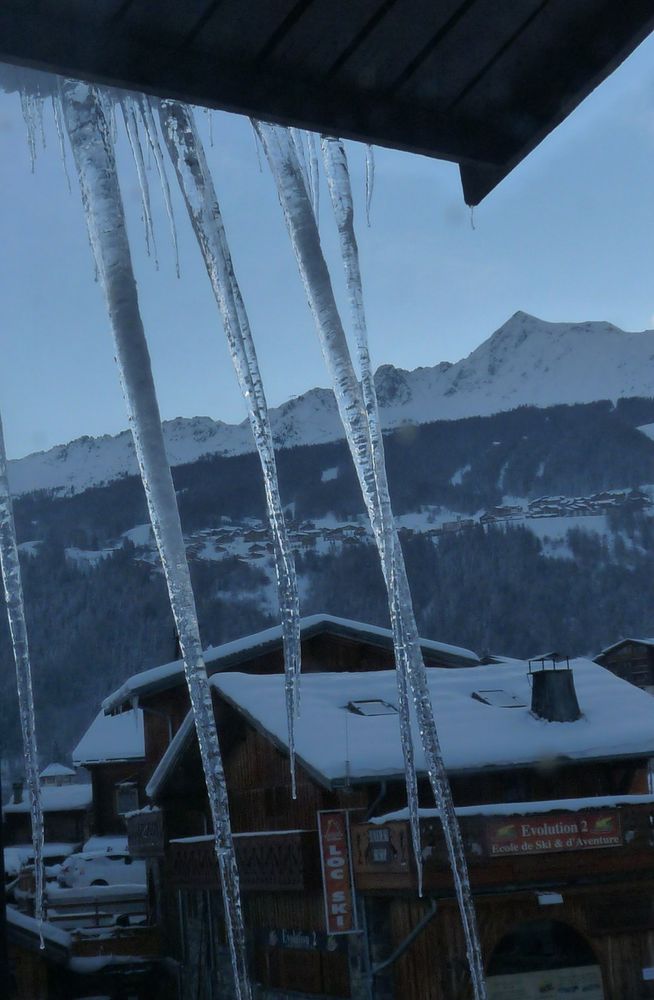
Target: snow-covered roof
x,y
112,738
52,935
621,642
55,798
57,771
617,720
525,808
231,653
110,845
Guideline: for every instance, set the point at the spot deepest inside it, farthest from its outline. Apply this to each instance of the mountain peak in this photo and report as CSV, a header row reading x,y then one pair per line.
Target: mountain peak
x,y
527,361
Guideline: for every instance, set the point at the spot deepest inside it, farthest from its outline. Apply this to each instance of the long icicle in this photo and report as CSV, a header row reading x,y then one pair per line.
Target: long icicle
x,y
189,160
306,241
90,139
340,189
315,274
13,589
314,174
370,180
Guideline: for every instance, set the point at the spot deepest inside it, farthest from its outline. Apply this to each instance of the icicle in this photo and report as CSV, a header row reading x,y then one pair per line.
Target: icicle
x,y
359,422
257,145
188,157
128,107
370,180
56,111
342,202
13,588
94,157
314,173
153,141
348,394
27,107
297,136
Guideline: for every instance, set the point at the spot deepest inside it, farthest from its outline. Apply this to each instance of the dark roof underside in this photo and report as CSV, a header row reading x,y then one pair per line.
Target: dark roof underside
x,y
478,82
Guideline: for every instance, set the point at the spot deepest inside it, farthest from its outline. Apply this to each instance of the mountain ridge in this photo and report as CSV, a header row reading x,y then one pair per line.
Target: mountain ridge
x,y
526,361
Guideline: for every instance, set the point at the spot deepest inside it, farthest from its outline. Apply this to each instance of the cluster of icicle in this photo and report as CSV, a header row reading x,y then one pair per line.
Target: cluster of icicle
x,y
88,115
93,153
357,404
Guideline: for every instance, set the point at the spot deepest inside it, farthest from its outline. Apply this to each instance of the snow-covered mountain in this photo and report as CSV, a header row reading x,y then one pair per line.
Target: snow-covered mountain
x,y
526,361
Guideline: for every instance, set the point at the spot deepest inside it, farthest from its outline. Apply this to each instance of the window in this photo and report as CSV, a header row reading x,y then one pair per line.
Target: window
x,y
373,706
127,797
498,698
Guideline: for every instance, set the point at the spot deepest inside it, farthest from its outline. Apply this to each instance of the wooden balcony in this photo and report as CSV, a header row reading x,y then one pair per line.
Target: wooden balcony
x,y
524,849
284,860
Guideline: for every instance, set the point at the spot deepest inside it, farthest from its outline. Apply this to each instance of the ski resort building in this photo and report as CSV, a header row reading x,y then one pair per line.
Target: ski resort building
x,y
556,820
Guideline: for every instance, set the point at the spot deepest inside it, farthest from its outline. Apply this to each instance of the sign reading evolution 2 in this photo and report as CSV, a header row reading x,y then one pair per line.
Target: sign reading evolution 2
x,y
551,832
335,857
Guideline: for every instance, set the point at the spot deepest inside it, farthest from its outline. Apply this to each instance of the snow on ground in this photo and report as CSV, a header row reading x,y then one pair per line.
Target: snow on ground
x,y
457,478
88,557
329,474
30,548
141,534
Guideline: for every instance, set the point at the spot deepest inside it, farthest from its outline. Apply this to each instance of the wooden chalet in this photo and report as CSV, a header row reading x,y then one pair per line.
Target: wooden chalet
x,y
112,749
631,659
160,694
555,815
66,814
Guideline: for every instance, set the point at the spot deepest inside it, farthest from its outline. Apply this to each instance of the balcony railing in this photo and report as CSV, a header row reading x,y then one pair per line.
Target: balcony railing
x,y
281,860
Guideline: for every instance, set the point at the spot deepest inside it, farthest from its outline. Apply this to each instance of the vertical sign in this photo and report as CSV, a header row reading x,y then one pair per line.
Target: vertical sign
x,y
335,858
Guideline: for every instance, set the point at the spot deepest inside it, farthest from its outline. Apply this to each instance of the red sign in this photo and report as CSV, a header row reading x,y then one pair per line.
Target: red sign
x,y
552,832
334,833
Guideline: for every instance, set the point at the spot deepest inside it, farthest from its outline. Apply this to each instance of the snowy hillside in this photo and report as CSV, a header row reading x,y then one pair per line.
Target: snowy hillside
x,y
526,361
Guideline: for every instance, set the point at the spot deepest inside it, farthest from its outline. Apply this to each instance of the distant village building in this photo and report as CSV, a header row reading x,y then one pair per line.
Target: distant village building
x,y
66,811
631,659
57,774
113,751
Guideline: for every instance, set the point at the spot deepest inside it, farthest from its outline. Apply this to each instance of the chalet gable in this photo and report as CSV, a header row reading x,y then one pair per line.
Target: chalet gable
x,y
356,646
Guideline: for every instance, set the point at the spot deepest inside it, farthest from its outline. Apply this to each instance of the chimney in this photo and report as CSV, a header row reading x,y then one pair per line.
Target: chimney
x,y
17,787
553,695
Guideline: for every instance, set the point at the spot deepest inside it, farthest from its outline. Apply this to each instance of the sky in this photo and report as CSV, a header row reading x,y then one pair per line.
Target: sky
x,y
568,236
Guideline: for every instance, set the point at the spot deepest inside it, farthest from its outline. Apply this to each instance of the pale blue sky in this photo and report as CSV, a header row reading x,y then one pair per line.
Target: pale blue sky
x,y
568,236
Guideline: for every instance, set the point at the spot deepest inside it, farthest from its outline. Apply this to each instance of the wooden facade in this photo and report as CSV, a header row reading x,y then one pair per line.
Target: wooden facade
x,y
602,894
632,660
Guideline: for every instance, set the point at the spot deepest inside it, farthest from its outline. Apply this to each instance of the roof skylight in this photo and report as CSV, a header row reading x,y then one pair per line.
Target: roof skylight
x,y
374,706
498,698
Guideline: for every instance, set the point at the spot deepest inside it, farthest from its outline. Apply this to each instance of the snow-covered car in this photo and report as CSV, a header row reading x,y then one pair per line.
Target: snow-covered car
x,y
101,868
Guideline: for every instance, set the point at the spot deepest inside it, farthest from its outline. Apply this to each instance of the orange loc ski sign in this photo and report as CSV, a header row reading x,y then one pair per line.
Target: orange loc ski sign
x,y
334,832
